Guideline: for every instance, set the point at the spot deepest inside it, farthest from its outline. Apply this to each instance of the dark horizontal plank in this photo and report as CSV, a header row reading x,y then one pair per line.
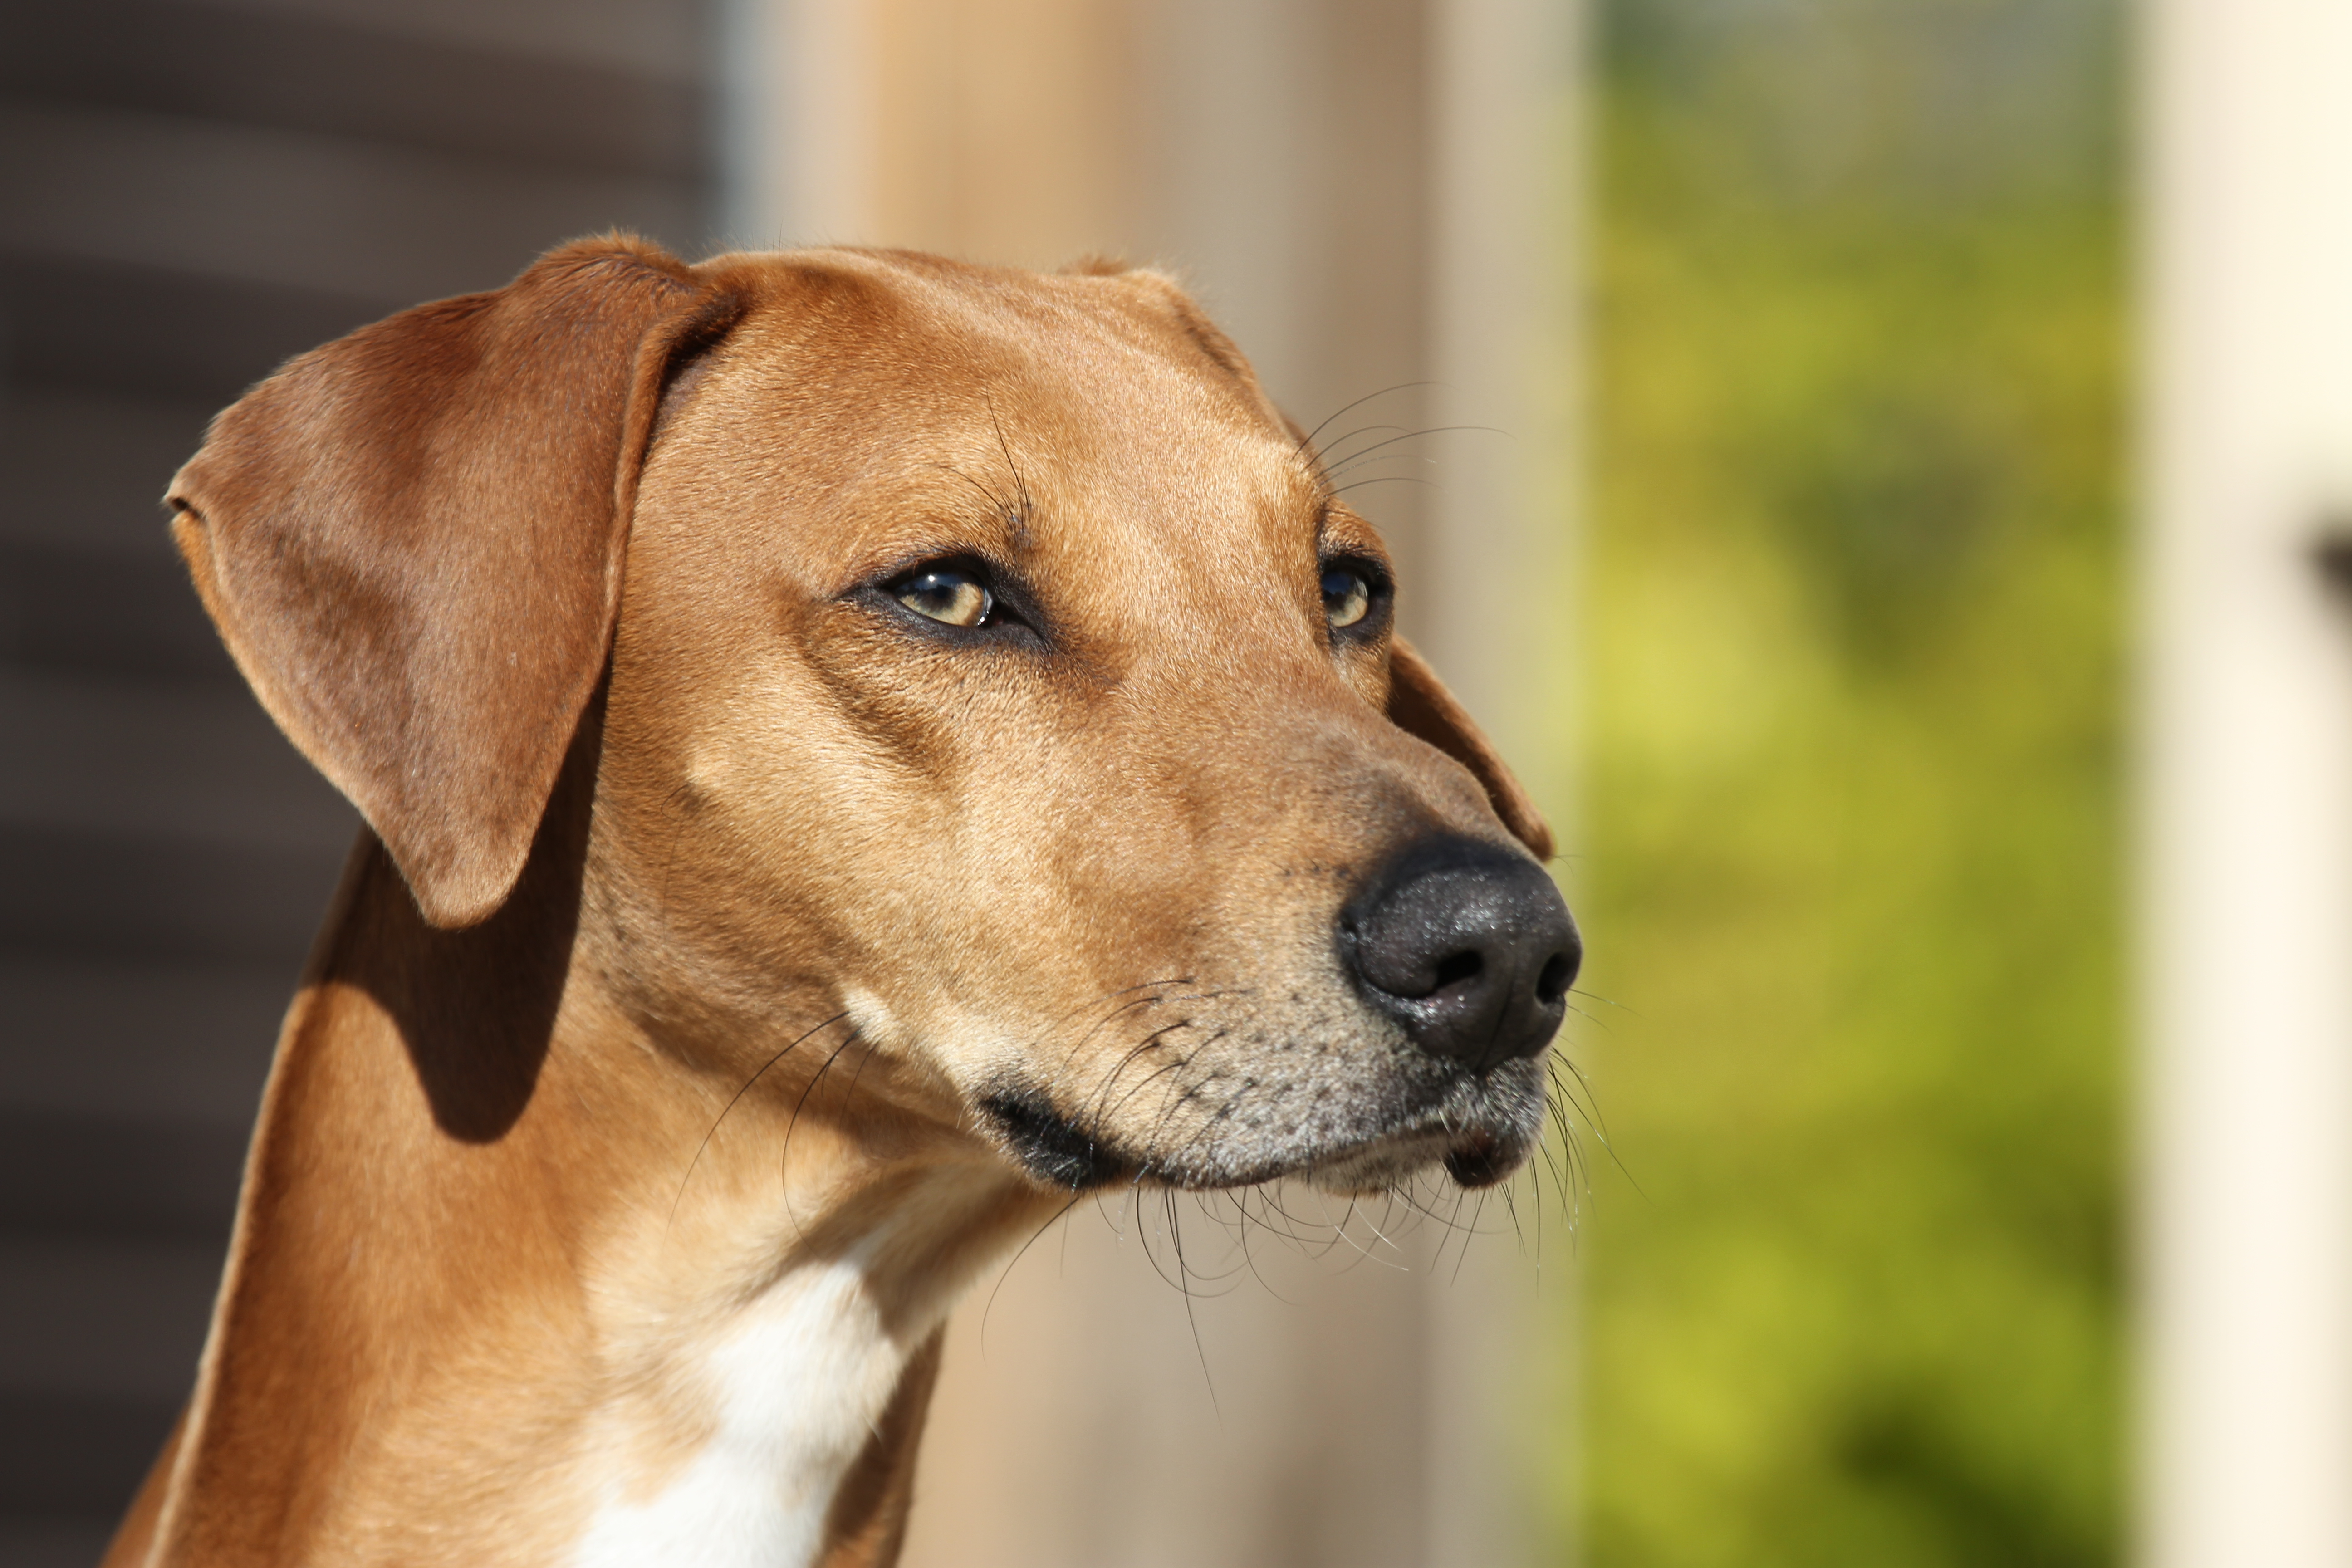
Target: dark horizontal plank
x,y
81,894
162,761
121,1038
115,1318
299,210
143,331
294,72
54,1540
85,612
96,1176
89,326
89,469
67,1455
662,39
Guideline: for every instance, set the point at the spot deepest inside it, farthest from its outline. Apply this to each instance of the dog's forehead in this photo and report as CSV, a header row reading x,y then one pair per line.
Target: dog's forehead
x,y
956,388
901,308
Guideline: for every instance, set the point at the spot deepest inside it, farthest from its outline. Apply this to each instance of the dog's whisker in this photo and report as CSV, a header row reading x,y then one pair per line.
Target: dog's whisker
x,y
1176,1228
1100,997
1022,1251
1587,1109
1216,1117
1020,485
737,1096
1362,452
1461,1253
1405,1194
1365,1254
1306,442
1100,1023
1315,1246
1152,1152
1148,1042
1512,1208
1096,1111
1148,1080
783,1160
1535,1179
1127,1197
865,1060
1161,999
1576,1093
997,503
1568,1199
1369,456
1288,1230
1385,479
1604,1001
1330,456
1230,1276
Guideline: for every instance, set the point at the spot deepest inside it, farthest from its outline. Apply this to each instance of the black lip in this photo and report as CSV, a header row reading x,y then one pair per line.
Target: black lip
x,y
1051,1147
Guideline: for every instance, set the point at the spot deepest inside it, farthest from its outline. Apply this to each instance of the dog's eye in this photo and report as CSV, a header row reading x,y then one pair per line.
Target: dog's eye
x,y
954,598
1347,595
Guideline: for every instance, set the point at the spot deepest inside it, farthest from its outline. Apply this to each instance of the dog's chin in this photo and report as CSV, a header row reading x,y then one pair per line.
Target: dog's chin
x,y
1472,1159
1478,1133
1057,1154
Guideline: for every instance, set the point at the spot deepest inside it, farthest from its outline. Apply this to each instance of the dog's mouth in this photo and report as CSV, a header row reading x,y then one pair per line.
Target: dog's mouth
x,y
1051,1146
1478,1130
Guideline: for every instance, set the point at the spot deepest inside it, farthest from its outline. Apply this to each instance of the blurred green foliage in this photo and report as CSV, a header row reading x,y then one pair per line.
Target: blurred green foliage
x,y
1849,861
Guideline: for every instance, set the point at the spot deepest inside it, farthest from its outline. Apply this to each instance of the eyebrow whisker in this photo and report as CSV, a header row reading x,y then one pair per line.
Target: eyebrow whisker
x,y
1307,441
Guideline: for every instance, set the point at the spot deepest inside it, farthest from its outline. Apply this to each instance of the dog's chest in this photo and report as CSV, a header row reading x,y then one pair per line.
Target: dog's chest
x,y
796,1389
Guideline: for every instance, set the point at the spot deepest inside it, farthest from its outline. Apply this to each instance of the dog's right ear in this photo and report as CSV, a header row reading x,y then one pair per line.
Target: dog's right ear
x,y
412,539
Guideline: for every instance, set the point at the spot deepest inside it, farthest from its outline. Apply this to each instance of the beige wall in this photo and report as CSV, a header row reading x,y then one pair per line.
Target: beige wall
x,y
1357,189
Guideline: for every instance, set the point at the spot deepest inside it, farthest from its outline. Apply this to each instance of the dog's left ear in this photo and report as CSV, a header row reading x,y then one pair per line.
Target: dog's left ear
x,y
411,541
1419,705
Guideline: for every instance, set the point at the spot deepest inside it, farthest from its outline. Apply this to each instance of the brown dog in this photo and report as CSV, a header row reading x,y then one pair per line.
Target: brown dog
x,y
993,777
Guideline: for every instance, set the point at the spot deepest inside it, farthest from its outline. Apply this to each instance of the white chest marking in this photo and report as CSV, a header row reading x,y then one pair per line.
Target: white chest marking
x,y
798,1388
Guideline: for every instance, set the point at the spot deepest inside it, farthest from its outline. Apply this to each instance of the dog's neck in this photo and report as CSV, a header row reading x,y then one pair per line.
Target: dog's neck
x,y
507,1285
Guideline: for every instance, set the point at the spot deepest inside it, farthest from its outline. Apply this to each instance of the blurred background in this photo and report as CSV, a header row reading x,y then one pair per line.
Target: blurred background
x,y
1853,847
1766,402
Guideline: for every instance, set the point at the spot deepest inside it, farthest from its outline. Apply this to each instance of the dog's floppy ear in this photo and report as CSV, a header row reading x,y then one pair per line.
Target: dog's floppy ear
x,y
411,541
1419,705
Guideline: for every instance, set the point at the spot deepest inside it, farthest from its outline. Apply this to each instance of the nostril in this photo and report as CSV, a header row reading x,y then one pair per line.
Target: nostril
x,y
1457,968
1559,974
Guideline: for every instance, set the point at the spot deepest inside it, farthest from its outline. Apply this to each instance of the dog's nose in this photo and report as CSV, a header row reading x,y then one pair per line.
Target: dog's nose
x,y
1468,945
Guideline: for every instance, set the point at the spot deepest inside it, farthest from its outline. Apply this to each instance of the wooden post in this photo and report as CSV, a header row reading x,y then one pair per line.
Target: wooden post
x,y
2246,833
1500,573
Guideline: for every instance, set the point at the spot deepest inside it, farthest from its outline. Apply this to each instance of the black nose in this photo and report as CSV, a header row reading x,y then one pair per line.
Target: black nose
x,y
1466,944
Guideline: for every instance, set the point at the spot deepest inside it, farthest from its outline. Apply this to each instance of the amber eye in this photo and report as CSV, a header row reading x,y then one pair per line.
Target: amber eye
x,y
1347,595
952,597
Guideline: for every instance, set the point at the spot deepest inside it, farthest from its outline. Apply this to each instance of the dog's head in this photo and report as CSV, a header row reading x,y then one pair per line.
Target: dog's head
x,y
992,667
